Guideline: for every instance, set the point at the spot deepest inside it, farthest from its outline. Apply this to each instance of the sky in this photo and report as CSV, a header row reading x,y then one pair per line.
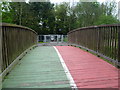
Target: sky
x,y
101,1
58,1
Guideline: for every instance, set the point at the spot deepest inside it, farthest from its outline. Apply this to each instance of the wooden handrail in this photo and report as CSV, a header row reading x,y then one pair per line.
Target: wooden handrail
x,y
14,39
103,40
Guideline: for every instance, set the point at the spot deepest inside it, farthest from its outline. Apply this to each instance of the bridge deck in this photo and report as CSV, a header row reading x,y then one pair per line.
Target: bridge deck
x,y
41,68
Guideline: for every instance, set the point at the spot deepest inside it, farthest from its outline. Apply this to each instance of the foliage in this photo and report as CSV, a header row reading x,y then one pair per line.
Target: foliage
x,y
103,19
61,18
44,18
6,15
87,13
47,18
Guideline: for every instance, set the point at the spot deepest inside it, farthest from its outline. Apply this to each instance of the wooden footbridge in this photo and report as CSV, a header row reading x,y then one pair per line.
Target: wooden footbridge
x,y
89,61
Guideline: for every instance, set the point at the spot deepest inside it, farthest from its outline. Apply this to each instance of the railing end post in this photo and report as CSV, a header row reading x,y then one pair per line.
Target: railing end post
x,y
118,47
0,57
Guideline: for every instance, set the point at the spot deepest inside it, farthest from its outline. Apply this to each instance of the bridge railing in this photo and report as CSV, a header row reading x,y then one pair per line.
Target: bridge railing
x,y
103,40
14,40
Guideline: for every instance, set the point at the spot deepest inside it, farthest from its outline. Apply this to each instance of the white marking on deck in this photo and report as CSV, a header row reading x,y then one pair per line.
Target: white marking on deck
x,y
66,70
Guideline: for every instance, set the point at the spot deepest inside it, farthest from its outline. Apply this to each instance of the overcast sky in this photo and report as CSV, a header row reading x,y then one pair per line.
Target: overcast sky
x,y
58,1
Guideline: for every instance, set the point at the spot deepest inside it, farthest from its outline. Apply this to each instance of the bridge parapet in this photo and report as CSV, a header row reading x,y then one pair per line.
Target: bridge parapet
x,y
14,40
103,40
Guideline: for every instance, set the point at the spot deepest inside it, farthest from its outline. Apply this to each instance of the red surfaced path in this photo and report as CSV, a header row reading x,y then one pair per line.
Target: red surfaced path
x,y
87,70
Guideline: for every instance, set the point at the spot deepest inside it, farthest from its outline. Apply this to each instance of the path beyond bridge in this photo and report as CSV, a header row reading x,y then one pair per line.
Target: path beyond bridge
x,y
62,67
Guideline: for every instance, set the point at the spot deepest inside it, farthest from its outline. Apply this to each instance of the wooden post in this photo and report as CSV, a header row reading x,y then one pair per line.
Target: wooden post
x,y
118,55
0,57
118,45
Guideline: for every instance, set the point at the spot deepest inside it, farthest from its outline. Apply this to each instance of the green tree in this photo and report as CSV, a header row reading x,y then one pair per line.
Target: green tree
x,y
20,12
43,16
87,13
5,12
47,18
106,20
62,18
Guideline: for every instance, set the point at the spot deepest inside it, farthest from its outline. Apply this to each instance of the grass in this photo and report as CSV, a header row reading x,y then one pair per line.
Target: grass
x,y
43,42
40,42
65,39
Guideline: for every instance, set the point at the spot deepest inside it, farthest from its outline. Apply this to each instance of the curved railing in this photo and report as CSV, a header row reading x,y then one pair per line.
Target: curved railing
x,y
14,40
103,40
